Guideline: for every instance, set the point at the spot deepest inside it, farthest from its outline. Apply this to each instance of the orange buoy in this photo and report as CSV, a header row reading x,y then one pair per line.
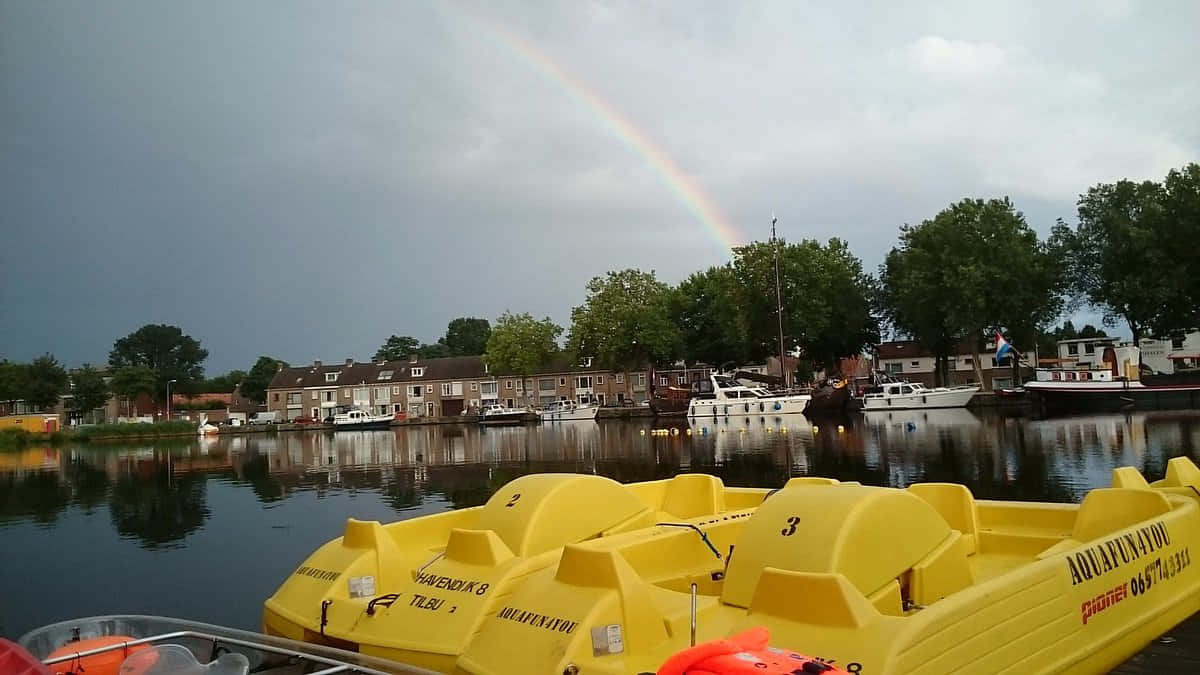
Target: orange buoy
x,y
746,652
104,663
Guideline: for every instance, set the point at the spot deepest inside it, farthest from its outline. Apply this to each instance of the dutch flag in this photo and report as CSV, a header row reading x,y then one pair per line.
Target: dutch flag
x,y
1002,347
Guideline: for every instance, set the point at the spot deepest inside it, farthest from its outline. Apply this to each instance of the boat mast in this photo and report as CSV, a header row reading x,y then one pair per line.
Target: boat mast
x,y
778,304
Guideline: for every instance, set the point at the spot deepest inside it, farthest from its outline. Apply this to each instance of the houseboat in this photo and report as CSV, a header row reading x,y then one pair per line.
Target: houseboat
x,y
722,395
1114,384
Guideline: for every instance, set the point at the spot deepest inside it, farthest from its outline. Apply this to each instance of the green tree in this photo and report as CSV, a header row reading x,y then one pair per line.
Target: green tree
x,y
167,351
1116,247
437,350
467,336
88,390
221,384
625,321
1181,229
132,381
976,267
45,381
827,300
397,348
706,309
254,385
12,380
520,344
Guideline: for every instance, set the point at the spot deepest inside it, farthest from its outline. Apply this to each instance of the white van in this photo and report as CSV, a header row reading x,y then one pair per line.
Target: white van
x,y
271,417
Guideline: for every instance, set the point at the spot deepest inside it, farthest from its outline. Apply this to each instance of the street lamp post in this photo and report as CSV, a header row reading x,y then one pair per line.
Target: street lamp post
x,y
169,399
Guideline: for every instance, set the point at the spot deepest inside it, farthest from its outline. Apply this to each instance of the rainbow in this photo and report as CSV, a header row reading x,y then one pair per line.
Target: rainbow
x,y
685,188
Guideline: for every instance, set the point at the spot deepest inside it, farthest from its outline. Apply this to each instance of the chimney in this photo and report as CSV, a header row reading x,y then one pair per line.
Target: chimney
x,y
316,363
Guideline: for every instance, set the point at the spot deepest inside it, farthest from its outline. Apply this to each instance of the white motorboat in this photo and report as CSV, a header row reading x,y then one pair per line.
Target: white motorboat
x,y
360,419
498,414
722,395
913,395
568,411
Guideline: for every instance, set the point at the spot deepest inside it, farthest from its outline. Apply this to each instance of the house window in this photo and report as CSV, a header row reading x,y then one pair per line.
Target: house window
x,y
546,384
587,362
663,381
1177,343
345,393
619,378
474,386
314,395
332,377
396,391
362,396
429,389
381,393
1089,348
682,379
599,379
562,381
508,384
293,398
914,364
385,375
584,382
488,388
328,396
415,391
276,398
639,379
445,389
1073,349
893,368
418,372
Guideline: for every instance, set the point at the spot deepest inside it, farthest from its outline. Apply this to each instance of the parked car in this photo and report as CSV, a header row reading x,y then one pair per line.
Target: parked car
x,y
305,419
270,417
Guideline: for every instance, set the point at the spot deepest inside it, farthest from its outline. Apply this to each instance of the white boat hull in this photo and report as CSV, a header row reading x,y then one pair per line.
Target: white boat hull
x,y
956,397
578,414
784,405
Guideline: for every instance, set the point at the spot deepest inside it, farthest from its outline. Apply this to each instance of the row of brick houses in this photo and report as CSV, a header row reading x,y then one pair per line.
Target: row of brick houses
x,y
453,386
912,361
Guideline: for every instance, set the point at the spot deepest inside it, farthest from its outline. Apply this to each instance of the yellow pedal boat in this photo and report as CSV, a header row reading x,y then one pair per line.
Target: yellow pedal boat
x,y
875,581
418,590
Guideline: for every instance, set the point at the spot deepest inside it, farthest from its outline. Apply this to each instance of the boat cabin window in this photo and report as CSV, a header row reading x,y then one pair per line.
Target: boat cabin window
x,y
725,381
906,390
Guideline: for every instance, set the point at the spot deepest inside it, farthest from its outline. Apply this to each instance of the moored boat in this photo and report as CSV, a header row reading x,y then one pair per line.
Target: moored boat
x,y
498,414
353,420
914,395
567,411
670,401
1111,387
723,395
830,397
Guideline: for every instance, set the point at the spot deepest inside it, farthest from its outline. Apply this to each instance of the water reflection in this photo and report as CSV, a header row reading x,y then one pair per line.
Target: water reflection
x,y
239,512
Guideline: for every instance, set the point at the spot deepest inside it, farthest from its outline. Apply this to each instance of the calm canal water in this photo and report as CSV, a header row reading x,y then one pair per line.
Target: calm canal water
x,y
207,529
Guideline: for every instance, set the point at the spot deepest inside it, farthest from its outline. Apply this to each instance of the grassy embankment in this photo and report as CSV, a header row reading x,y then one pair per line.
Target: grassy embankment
x,y
19,437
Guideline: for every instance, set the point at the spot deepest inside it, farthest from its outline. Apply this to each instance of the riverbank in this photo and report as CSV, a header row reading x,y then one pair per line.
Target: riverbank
x,y
99,432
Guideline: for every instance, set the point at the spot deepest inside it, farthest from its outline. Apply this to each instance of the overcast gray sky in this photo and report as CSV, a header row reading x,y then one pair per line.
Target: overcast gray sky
x,y
303,179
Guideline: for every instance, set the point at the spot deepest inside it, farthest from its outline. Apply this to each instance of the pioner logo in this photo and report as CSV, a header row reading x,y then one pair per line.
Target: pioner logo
x,y
1102,602
1111,554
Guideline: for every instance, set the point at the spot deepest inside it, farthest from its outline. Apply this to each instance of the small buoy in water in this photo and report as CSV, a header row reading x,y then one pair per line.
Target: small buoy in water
x,y
816,430
675,431
643,432
689,431
768,430
783,430
841,429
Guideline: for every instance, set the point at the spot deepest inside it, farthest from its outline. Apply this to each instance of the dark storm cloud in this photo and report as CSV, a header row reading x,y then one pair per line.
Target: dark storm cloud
x,y
303,179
